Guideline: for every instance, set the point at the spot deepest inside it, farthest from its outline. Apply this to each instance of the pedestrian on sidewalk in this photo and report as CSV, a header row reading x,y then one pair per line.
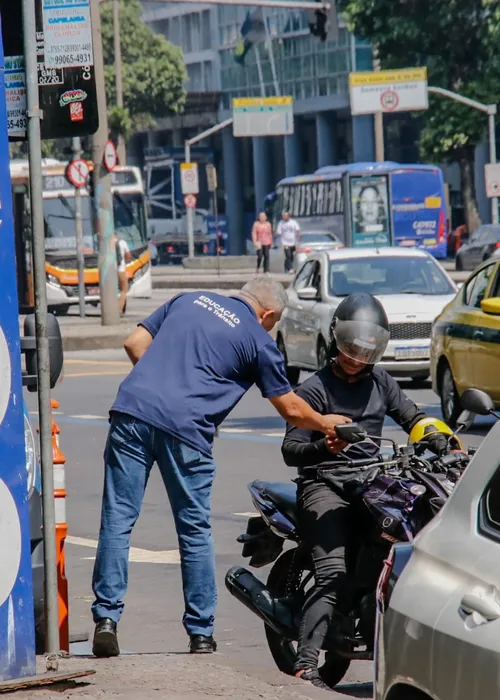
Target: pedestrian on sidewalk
x,y
123,256
194,358
262,237
289,233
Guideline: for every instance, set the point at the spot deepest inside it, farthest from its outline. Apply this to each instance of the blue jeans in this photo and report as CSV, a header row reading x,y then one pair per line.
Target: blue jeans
x,y
131,450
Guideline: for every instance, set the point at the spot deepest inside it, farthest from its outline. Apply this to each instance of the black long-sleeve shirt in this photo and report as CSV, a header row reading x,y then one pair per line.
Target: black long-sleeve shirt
x,y
366,402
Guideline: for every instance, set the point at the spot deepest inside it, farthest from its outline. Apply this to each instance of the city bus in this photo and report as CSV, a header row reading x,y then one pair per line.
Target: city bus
x,y
60,239
387,204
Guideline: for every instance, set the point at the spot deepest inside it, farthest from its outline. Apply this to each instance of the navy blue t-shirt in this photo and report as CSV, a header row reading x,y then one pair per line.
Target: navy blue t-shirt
x,y
207,351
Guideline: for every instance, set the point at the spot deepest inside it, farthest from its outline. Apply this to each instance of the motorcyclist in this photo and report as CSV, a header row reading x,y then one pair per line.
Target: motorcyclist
x,y
353,386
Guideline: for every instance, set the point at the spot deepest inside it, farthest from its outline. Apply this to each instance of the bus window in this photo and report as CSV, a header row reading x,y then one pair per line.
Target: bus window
x,y
59,215
130,225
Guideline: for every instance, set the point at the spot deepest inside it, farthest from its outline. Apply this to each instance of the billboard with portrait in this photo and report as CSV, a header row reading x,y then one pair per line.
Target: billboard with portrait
x,y
370,211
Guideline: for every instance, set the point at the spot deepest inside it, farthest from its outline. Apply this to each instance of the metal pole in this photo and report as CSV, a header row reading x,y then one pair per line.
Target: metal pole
x,y
216,222
103,202
80,258
493,157
269,43
189,210
259,71
122,154
378,120
42,340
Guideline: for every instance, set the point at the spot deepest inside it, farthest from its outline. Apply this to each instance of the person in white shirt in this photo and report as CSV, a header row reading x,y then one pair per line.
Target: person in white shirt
x,y
123,256
289,232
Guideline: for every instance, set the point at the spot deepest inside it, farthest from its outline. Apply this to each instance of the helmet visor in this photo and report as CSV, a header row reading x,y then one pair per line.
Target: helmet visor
x,y
361,341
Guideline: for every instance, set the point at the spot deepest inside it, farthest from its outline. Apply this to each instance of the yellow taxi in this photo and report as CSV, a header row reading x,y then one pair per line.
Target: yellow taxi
x,y
465,341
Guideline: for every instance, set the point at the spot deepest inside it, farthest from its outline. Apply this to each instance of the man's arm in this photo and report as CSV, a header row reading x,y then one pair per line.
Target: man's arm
x,y
137,343
300,414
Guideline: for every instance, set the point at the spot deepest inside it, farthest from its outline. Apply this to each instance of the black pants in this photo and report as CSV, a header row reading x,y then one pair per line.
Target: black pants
x,y
263,254
289,255
325,523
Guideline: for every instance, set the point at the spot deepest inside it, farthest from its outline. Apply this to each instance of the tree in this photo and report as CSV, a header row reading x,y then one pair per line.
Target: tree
x,y
457,41
153,71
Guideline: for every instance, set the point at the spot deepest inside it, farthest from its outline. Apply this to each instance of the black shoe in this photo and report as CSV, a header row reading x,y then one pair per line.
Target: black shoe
x,y
105,639
315,679
202,645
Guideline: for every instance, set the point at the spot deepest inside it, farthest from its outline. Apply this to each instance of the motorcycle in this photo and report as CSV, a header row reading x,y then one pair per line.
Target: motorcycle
x,y
394,495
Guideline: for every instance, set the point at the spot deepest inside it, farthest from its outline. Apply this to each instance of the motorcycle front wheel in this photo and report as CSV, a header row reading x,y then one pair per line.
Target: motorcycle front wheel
x,y
281,580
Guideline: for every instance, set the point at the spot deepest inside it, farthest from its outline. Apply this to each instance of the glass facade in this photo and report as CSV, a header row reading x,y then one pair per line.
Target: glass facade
x,y
305,67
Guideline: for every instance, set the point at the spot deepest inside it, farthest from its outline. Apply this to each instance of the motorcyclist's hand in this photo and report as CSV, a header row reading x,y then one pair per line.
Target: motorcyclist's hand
x,y
438,443
332,420
335,444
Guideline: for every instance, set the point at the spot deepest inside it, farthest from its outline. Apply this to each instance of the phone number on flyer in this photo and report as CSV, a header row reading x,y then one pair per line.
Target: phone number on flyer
x,y
17,124
72,59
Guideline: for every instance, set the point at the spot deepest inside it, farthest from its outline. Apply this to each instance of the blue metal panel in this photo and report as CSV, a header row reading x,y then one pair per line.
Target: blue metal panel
x,y
17,644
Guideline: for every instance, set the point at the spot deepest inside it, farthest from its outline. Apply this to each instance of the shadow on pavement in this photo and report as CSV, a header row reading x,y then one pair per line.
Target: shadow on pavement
x,y
356,690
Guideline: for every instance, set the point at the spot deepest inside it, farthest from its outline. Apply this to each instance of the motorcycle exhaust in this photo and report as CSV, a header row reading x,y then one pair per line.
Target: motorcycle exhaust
x,y
254,595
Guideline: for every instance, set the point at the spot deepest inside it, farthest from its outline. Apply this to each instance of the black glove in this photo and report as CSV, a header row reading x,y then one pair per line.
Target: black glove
x,y
438,443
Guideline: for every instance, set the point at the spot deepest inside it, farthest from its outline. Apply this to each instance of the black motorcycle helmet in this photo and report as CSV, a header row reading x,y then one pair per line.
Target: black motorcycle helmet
x,y
359,329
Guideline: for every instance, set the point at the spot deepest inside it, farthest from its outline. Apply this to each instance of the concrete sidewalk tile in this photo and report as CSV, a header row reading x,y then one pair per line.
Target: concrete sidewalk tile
x,y
172,677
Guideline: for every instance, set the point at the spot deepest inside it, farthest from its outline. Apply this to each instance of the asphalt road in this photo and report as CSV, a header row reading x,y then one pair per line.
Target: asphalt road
x,y
248,448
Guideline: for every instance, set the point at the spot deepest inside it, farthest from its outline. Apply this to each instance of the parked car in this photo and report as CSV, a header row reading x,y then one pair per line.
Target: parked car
x,y
465,349
438,600
313,242
411,285
479,247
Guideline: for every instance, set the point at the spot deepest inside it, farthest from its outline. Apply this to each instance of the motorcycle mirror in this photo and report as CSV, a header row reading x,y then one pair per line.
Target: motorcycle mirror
x,y
351,433
477,401
465,420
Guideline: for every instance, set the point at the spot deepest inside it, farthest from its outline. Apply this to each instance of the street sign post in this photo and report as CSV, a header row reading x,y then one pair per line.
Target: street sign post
x,y
189,178
262,116
492,179
388,91
110,157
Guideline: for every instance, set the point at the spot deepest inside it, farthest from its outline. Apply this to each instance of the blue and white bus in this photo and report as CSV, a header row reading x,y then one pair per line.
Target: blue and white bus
x,y
387,204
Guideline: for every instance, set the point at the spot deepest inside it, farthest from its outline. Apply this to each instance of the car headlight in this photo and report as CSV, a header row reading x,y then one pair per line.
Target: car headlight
x,y
29,442
52,279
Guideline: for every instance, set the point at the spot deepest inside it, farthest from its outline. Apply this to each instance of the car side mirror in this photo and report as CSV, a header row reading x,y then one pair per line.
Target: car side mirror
x,y
477,401
465,420
56,355
491,306
308,294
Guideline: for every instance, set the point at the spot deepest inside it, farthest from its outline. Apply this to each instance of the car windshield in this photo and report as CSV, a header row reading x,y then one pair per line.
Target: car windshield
x,y
387,275
317,238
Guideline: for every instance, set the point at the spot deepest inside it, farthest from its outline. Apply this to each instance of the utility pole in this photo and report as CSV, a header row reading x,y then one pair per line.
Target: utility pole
x,y
103,201
378,118
122,154
34,117
80,258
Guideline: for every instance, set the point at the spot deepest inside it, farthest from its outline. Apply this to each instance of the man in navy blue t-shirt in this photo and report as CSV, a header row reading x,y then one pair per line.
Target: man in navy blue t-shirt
x,y
194,358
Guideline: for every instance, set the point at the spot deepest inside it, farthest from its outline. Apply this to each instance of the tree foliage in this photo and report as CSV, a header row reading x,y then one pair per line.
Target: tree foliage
x,y
153,71
457,41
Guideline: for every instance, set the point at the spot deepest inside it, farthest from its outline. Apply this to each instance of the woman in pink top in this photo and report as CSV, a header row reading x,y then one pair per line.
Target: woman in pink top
x,y
262,237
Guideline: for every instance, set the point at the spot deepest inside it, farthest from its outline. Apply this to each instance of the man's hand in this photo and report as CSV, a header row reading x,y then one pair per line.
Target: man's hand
x,y
335,445
332,420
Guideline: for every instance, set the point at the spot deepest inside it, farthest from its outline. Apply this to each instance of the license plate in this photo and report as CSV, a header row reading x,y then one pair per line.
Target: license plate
x,y
93,291
421,353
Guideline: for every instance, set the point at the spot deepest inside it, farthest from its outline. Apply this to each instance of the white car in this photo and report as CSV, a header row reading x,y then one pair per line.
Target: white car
x,y
411,285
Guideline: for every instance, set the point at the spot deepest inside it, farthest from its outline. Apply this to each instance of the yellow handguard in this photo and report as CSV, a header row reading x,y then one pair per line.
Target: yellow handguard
x,y
430,426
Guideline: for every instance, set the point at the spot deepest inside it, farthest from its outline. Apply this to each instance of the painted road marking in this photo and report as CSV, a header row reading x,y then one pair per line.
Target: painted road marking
x,y
120,372
97,362
89,417
236,430
136,555
275,434
247,515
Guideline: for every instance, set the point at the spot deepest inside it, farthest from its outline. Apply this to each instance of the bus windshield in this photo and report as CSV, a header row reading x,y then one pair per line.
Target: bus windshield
x,y
59,215
130,219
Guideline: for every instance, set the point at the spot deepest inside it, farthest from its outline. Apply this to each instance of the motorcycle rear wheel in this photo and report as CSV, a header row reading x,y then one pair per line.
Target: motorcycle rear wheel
x,y
283,650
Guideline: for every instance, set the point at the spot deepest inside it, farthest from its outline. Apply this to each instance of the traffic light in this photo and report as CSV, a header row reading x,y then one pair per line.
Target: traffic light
x,y
318,20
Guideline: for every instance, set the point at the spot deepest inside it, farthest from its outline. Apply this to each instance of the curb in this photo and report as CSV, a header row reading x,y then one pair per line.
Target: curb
x,y
203,284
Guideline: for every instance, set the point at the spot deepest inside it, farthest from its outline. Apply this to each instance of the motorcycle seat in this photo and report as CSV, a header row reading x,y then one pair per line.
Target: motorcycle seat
x,y
284,496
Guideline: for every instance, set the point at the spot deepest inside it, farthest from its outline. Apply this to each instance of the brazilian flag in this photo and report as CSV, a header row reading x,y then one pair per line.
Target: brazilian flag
x,y
253,31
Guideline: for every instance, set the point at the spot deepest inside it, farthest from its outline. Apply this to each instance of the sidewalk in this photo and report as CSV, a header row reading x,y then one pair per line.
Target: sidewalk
x,y
181,677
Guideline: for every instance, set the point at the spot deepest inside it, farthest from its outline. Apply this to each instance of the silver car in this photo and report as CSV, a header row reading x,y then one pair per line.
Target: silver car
x,y
438,601
411,285
313,242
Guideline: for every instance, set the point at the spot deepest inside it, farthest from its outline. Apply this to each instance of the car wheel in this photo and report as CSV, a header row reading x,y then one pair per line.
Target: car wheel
x,y
292,373
459,266
322,354
450,401
420,378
